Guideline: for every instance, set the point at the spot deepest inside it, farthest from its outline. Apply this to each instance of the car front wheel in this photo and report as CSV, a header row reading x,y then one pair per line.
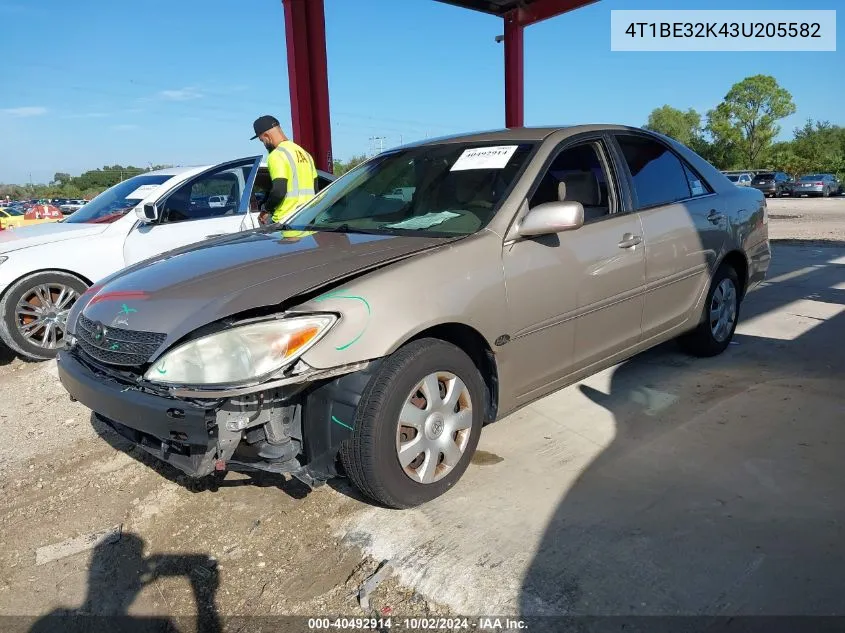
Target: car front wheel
x,y
721,313
33,313
417,424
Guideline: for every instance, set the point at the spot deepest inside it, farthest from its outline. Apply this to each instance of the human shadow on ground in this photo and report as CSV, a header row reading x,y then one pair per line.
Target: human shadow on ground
x,y
117,574
730,505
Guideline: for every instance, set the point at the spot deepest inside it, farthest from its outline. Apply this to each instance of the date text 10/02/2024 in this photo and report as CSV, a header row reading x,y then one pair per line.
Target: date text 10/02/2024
x,y
416,624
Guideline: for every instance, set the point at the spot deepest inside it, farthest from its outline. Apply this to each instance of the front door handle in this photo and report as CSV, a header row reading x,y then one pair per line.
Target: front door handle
x,y
629,241
714,216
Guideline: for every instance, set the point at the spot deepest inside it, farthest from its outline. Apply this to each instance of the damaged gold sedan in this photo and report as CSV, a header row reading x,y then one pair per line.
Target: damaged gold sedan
x,y
374,334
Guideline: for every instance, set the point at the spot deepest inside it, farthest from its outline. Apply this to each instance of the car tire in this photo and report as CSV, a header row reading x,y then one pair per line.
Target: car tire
x,y
371,457
52,283
707,339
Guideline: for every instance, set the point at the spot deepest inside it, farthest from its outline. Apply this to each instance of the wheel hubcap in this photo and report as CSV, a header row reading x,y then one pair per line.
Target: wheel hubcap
x,y
434,427
41,314
723,310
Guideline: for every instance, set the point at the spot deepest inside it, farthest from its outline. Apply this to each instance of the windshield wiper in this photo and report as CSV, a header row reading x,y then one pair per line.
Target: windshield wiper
x,y
342,228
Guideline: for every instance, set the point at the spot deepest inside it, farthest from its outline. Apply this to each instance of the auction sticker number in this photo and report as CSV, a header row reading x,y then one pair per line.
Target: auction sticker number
x,y
484,158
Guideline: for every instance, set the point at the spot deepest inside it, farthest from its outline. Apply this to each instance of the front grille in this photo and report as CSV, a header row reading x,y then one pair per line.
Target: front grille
x,y
116,346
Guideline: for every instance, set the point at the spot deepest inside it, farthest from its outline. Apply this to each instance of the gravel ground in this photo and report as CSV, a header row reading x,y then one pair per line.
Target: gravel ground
x,y
807,219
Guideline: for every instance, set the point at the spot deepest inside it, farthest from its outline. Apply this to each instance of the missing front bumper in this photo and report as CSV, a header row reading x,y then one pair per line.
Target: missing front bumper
x,y
294,428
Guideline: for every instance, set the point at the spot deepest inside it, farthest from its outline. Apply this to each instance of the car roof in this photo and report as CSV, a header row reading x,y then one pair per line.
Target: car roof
x,y
525,134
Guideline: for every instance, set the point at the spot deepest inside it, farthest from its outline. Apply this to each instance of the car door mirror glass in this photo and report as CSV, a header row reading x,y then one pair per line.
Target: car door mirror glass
x,y
552,217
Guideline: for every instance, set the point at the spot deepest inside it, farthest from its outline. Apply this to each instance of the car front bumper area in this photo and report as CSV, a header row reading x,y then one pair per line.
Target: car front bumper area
x,y
261,431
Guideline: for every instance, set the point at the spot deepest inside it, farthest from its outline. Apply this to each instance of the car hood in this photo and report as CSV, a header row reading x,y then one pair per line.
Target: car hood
x,y
38,234
183,290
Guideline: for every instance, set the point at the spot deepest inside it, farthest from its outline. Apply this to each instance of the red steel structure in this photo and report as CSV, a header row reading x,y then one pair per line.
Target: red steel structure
x,y
305,33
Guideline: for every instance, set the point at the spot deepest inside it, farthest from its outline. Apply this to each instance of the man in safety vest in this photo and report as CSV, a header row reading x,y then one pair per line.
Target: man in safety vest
x,y
291,168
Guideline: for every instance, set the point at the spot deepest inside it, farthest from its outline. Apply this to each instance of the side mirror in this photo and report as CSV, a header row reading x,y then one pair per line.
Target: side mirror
x,y
552,217
148,213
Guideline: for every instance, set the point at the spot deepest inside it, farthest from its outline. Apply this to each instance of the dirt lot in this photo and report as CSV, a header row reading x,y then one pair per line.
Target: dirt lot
x,y
665,485
820,219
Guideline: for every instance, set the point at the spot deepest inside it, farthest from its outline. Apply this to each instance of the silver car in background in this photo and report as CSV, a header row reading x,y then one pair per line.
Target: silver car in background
x,y
816,185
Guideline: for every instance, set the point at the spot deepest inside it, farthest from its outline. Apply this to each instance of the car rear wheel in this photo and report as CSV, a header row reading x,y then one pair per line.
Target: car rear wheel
x,y
417,425
33,313
721,313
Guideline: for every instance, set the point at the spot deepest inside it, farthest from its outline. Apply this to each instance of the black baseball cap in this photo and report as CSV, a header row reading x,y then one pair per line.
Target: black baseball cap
x,y
264,124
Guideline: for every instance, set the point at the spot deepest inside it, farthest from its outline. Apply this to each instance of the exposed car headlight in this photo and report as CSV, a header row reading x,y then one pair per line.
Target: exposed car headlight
x,y
3,258
241,353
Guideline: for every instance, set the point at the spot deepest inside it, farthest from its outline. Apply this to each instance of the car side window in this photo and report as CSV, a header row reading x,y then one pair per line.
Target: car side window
x,y
697,185
658,175
211,195
579,173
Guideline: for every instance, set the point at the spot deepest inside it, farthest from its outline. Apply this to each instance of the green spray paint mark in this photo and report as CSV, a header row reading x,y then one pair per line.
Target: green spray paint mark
x,y
346,426
114,347
338,294
125,309
160,369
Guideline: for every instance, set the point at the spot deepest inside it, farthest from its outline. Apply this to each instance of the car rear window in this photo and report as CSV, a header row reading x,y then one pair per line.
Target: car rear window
x,y
761,177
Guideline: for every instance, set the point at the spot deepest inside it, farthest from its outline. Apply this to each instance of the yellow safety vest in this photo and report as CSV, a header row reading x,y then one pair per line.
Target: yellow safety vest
x,y
294,164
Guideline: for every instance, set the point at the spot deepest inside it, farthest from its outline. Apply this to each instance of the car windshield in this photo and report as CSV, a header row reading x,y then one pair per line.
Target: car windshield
x,y
811,177
117,201
14,211
733,178
434,190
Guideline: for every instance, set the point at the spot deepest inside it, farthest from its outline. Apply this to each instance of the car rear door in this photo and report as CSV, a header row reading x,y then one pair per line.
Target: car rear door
x,y
683,228
186,217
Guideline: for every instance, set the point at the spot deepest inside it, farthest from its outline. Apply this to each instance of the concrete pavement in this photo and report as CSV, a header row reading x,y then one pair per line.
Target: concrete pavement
x,y
665,485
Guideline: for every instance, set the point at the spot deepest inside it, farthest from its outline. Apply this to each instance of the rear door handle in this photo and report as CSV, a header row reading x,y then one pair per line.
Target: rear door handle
x,y
714,216
629,241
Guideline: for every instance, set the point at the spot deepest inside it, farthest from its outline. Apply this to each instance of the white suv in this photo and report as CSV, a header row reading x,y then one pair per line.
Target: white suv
x,y
46,267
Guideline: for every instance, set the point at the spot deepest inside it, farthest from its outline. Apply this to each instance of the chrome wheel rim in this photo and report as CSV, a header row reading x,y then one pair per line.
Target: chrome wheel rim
x,y
434,427
41,314
723,310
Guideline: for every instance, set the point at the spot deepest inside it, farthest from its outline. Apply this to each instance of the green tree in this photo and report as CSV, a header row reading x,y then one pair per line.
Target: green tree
x,y
684,127
61,178
341,167
745,123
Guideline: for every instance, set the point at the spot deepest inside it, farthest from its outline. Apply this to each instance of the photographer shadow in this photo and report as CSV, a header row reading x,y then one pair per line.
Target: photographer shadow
x,y
118,573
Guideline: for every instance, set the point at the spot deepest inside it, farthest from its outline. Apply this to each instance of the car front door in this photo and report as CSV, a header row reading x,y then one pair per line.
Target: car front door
x,y
186,216
575,298
683,226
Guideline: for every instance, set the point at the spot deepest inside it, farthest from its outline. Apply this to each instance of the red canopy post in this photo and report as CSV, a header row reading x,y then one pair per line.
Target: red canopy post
x,y
514,71
305,33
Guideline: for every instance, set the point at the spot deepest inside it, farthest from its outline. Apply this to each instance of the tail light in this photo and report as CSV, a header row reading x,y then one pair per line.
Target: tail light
x,y
819,184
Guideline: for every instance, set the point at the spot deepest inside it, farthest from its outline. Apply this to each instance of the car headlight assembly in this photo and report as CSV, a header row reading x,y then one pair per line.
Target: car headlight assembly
x,y
240,354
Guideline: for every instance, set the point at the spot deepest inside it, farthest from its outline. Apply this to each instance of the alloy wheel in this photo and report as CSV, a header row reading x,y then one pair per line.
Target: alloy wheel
x,y
41,314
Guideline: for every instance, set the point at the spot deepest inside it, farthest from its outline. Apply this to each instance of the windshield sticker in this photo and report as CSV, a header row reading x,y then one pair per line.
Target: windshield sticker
x,y
484,158
142,192
424,221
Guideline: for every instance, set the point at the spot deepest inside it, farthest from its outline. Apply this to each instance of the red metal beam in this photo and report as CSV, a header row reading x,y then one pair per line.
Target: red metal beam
x,y
305,33
514,73
544,9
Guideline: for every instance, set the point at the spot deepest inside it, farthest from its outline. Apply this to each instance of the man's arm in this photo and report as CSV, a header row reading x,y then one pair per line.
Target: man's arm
x,y
277,194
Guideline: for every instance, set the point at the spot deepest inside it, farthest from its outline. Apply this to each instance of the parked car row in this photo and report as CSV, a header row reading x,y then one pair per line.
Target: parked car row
x,y
777,183
376,332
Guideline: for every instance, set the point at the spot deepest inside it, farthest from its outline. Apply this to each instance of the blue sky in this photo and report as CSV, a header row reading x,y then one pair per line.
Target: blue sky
x,y
92,82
